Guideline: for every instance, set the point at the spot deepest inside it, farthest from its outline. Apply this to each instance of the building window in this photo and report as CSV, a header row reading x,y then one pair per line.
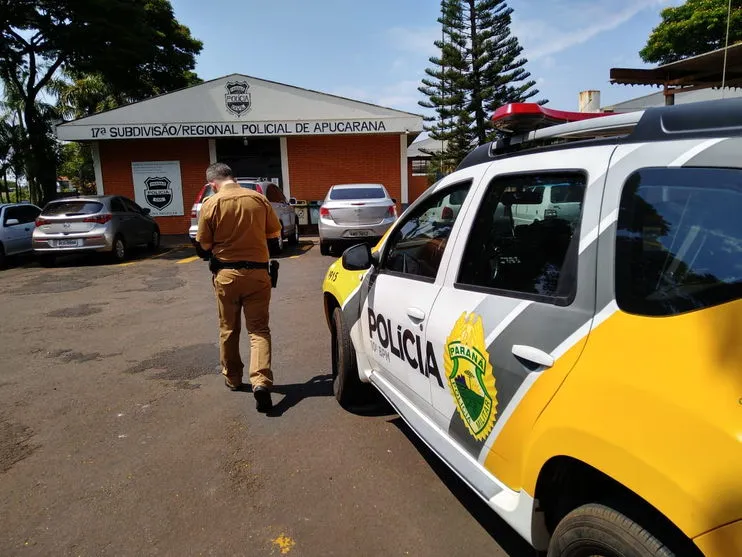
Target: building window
x,y
420,167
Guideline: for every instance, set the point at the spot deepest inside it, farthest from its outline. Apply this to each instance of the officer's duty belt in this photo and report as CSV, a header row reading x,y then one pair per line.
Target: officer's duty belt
x,y
242,265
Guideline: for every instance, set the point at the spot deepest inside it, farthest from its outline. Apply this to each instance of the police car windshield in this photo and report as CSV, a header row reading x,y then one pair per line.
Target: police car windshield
x,y
340,194
72,208
249,185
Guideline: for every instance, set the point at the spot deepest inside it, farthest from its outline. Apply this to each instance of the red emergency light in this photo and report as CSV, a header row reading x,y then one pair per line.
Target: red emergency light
x,y
526,117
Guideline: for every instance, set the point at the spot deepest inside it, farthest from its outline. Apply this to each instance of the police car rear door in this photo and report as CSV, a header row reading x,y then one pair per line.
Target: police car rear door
x,y
515,305
399,296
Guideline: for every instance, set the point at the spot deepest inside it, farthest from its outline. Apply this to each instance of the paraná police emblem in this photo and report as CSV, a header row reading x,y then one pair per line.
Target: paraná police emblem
x,y
158,192
470,375
237,98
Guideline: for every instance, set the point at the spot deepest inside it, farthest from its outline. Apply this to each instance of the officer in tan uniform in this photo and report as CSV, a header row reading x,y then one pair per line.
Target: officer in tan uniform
x,y
239,230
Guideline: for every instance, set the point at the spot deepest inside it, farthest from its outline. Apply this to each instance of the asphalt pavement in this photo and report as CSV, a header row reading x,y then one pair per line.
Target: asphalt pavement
x,y
118,436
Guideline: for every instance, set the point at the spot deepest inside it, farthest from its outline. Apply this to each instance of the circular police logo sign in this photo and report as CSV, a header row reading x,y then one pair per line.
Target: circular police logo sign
x,y
237,98
158,192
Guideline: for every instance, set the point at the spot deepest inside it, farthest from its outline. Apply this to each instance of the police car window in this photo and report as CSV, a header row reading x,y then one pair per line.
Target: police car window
x,y
524,243
679,240
416,247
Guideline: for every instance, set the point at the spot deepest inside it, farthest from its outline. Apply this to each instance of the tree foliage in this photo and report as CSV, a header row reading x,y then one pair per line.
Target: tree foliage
x,y
480,68
446,88
137,47
695,27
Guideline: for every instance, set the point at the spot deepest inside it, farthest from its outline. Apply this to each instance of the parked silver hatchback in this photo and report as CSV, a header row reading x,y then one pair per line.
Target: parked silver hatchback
x,y
98,223
354,213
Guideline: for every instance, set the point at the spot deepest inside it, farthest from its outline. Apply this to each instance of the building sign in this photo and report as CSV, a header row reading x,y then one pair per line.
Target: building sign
x,y
157,186
236,129
237,98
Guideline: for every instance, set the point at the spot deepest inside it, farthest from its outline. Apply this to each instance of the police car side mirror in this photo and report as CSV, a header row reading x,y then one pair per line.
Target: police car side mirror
x,y
146,210
358,258
292,201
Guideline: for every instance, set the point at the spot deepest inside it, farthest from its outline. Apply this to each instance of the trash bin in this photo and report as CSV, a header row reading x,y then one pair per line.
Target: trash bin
x,y
314,211
302,212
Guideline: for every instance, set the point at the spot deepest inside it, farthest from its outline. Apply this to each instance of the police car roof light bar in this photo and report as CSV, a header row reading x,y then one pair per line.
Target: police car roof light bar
x,y
519,118
683,121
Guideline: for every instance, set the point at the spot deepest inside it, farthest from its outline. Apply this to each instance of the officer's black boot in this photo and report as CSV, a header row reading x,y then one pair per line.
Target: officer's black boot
x,y
263,402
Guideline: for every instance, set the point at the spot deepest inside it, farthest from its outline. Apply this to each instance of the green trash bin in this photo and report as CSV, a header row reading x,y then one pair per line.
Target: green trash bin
x,y
313,207
314,211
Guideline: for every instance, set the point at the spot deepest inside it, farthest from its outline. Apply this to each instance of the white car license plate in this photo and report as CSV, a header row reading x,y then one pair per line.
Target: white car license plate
x,y
68,243
358,233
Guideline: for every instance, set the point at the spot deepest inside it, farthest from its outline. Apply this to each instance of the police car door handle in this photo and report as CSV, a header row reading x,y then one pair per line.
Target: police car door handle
x,y
531,354
417,315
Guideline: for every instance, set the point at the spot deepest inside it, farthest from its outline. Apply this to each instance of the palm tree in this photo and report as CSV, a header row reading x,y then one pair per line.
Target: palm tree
x,y
81,95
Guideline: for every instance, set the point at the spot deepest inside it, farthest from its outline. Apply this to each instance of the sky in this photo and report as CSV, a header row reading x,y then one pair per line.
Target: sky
x,y
377,51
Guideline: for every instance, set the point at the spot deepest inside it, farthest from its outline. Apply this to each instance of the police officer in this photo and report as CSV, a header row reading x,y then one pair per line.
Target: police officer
x,y
239,230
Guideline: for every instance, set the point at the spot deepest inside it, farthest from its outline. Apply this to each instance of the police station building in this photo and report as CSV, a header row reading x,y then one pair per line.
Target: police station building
x,y
156,151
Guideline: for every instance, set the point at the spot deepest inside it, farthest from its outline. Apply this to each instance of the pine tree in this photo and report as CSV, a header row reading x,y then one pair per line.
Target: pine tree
x,y
498,69
446,88
480,69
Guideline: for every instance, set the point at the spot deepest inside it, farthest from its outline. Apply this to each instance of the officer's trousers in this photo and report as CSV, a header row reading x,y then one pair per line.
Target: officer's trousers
x,y
245,291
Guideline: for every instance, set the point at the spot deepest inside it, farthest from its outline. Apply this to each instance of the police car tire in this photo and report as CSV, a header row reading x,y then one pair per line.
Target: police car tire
x,y
324,248
595,529
346,385
3,258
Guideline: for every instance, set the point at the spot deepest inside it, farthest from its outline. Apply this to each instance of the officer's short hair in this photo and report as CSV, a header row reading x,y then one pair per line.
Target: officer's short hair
x,y
218,172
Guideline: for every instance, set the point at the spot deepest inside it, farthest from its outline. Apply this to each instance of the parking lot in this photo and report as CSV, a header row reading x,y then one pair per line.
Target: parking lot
x,y
118,437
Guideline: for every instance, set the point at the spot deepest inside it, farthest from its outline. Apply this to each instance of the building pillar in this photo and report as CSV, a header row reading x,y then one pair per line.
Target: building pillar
x,y
97,168
669,96
285,182
405,185
212,151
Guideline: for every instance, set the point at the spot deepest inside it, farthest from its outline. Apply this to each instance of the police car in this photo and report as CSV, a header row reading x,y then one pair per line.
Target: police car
x,y
579,365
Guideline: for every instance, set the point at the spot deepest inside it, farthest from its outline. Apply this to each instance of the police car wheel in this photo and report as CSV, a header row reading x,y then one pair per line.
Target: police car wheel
x,y
324,248
346,385
3,259
597,530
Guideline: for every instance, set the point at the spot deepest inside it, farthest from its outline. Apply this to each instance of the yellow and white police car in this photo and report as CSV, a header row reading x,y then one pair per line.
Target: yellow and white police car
x,y
568,341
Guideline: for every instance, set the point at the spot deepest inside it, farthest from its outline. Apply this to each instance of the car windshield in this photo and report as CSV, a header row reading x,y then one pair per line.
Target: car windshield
x,y
68,208
208,191
340,194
